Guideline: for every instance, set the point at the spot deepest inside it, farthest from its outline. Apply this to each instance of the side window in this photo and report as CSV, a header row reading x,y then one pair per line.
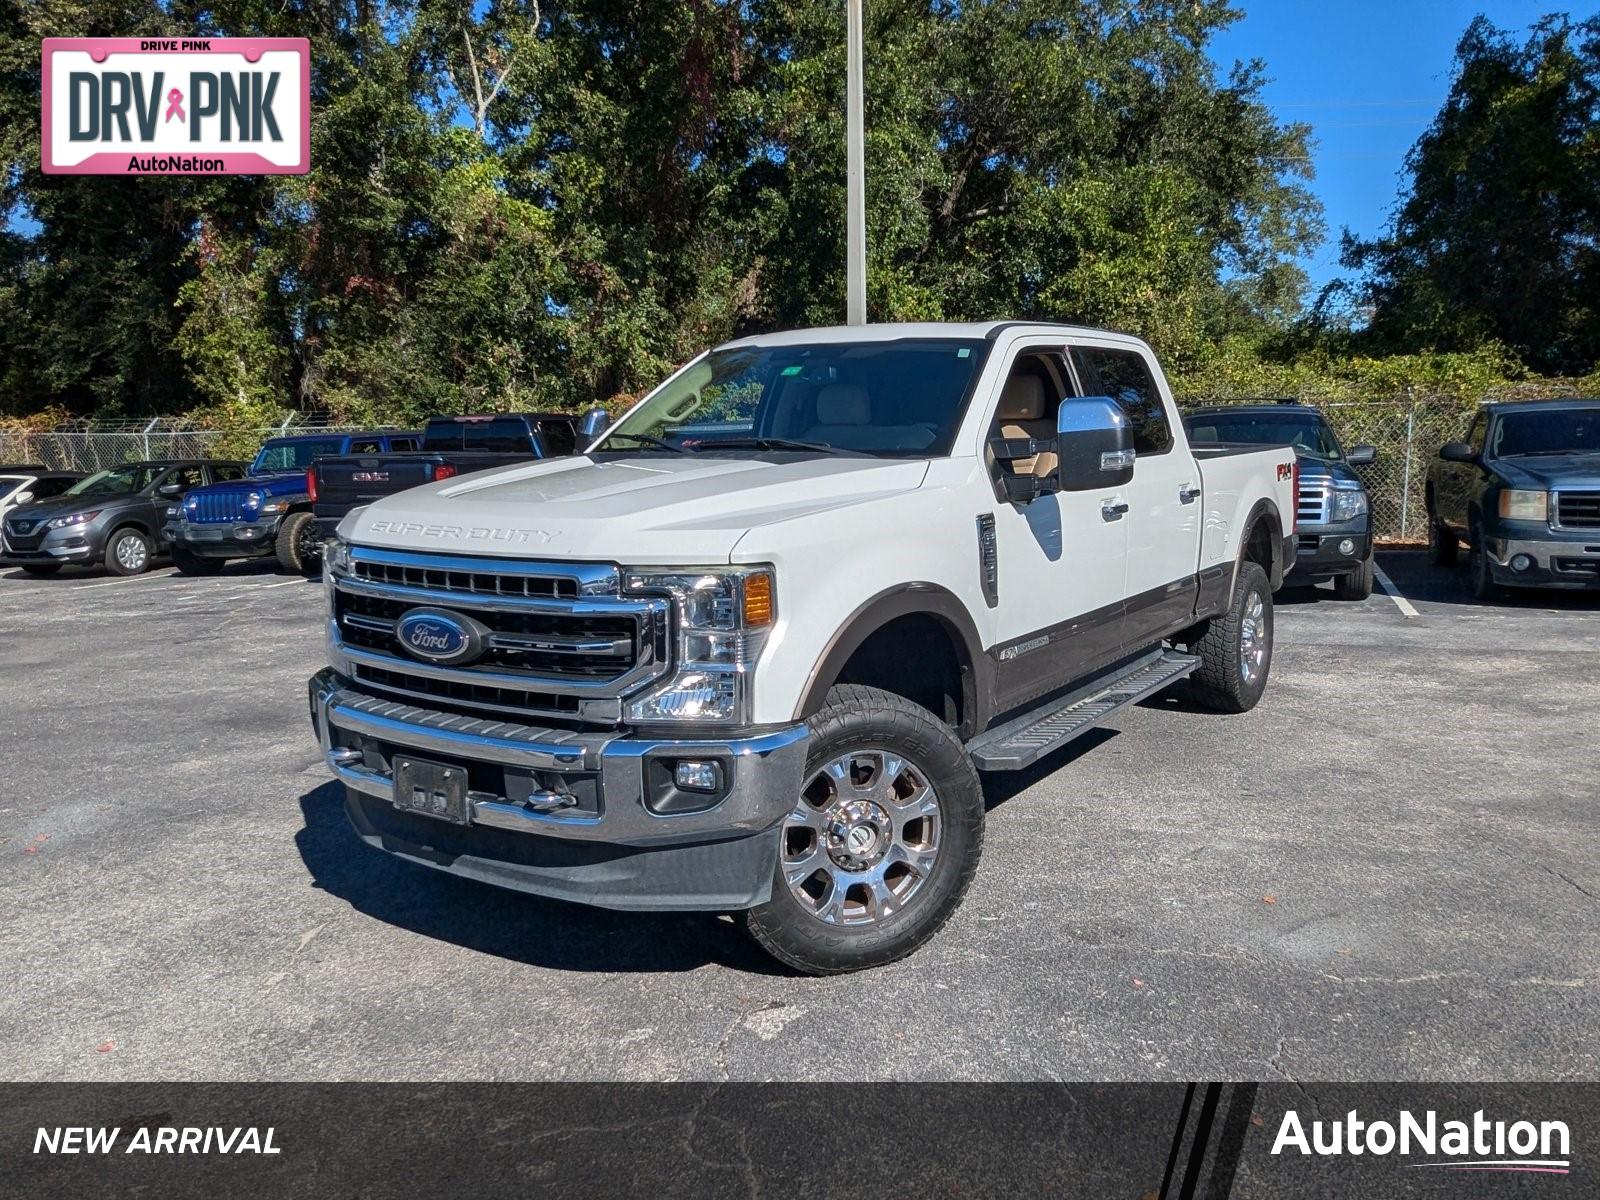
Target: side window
x,y
559,437
365,446
184,477
50,487
400,445
1475,435
227,472
1123,375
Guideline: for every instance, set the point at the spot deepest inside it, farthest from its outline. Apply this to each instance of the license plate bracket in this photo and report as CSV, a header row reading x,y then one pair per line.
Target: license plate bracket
x,y
431,789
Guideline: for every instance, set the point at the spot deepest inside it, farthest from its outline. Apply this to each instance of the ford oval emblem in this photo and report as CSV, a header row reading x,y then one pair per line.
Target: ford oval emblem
x,y
440,636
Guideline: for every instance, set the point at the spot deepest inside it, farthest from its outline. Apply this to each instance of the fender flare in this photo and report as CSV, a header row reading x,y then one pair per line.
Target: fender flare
x,y
1265,509
905,600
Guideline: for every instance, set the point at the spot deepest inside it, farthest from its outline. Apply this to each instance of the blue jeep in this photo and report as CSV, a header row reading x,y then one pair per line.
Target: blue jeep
x,y
270,511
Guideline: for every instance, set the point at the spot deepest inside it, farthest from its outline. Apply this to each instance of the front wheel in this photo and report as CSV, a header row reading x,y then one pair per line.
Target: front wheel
x,y
298,548
1479,575
128,552
1357,585
882,841
1235,648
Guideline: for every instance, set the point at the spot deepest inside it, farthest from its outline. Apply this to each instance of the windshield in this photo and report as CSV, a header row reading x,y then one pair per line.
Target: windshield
x,y
1559,431
1307,432
900,399
293,455
119,481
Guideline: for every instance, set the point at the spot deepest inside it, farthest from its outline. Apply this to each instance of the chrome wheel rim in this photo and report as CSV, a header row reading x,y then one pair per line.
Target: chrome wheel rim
x,y
1253,638
131,552
862,839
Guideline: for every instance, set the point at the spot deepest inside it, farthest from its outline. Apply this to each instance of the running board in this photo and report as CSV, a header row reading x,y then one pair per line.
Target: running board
x,y
1023,741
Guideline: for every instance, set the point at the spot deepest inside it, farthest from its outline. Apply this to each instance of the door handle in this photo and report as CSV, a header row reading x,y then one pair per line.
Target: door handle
x,y
1188,494
1112,510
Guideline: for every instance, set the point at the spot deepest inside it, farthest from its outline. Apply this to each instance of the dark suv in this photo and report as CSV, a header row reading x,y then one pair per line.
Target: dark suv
x,y
113,517
1523,489
1333,517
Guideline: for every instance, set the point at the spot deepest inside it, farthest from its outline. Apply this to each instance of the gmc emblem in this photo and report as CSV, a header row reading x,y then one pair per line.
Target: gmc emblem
x,y
370,476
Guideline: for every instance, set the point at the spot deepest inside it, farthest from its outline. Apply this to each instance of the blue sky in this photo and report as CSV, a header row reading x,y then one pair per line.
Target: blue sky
x,y
1367,76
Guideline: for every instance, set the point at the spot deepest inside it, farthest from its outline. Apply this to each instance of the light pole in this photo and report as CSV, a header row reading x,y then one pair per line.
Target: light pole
x,y
855,249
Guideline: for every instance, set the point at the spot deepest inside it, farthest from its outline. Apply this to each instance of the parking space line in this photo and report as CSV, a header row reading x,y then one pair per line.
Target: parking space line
x,y
1407,609
83,587
267,587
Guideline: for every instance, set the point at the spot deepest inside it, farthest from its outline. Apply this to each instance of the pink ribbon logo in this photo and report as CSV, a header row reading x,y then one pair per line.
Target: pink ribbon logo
x,y
175,106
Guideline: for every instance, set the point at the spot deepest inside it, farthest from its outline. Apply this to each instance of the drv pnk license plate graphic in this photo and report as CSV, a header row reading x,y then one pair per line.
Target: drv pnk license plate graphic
x,y
176,106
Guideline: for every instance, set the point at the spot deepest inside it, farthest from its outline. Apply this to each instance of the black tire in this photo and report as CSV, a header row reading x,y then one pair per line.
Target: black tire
x,y
40,569
1479,577
1357,585
1225,642
877,726
128,551
298,549
195,564
1442,543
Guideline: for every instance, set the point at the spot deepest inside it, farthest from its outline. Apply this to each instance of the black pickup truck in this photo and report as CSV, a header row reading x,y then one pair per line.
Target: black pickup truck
x,y
1523,491
451,446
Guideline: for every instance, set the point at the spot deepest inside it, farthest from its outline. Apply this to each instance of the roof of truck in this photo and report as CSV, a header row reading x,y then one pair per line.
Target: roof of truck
x,y
889,331
1568,402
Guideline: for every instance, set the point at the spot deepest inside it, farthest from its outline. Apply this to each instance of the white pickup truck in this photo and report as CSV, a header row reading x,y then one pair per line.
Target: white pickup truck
x,y
750,651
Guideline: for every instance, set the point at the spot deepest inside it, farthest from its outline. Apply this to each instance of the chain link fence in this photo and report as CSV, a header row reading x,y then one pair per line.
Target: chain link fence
x,y
1407,432
95,447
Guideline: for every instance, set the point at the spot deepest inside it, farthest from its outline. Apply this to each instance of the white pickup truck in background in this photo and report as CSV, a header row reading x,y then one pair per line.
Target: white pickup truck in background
x,y
751,650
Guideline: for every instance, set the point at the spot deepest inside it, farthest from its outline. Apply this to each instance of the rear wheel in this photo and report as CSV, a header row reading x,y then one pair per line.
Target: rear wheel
x,y
1442,543
128,552
41,569
298,548
1357,585
882,841
195,564
1235,648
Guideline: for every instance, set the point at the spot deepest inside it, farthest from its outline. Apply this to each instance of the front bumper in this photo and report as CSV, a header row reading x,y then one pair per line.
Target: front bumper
x,y
1549,560
621,836
72,544
228,539
1318,550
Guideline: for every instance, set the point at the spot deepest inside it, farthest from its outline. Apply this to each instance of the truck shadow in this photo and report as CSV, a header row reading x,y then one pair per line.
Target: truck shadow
x,y
509,925
1002,786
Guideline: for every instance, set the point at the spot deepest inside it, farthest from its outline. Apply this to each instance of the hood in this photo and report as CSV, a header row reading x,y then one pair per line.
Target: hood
x,y
1318,468
646,508
61,505
278,484
1553,472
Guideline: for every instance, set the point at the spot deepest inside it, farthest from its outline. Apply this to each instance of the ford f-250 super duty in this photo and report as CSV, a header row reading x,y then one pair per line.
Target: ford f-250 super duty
x,y
749,652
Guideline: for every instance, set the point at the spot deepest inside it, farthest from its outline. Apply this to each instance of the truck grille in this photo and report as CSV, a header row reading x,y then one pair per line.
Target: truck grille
x,y
562,641
1311,505
1578,510
216,508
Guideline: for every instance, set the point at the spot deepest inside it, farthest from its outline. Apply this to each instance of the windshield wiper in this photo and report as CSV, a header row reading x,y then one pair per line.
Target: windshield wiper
x,y
778,443
646,439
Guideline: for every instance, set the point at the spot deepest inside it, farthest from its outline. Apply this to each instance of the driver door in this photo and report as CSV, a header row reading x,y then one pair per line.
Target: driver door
x,y
1059,557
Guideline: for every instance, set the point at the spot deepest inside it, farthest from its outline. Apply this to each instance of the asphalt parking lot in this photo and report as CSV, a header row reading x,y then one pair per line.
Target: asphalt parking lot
x,y
1388,871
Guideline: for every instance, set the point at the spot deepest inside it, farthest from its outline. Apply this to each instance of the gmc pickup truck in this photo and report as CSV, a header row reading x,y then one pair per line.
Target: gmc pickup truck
x,y
451,446
749,652
1523,489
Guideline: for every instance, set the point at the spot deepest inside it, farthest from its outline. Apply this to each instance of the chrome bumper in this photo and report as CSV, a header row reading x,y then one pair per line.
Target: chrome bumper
x,y
762,771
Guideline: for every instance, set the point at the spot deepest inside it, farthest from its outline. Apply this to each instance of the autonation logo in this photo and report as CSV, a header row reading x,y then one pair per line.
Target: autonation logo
x,y
1476,1145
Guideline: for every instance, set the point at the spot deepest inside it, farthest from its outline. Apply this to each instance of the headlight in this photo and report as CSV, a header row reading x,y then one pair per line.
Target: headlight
x,y
336,557
1348,504
253,499
77,518
723,616
172,512
1524,506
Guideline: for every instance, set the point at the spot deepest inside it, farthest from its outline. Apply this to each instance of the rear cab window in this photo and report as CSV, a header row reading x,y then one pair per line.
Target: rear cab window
x,y
497,434
1124,376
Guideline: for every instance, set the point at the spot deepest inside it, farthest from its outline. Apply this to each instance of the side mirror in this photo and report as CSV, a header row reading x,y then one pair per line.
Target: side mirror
x,y
592,425
1094,445
1459,452
170,489
1362,455
22,498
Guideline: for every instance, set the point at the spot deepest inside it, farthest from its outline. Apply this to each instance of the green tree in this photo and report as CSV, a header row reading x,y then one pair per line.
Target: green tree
x,y
1498,239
